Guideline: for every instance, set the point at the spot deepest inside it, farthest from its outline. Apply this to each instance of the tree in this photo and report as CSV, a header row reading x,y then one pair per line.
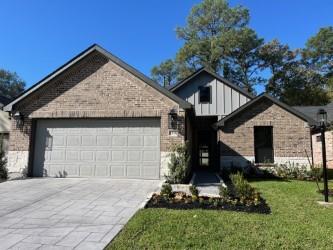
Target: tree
x,y
278,58
291,80
318,54
165,73
207,35
299,85
319,50
243,59
10,84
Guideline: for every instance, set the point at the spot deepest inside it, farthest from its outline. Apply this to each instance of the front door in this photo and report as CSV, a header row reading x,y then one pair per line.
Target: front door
x,y
204,150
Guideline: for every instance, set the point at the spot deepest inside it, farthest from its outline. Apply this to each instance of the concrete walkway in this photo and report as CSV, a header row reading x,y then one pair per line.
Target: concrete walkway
x,y
207,182
67,213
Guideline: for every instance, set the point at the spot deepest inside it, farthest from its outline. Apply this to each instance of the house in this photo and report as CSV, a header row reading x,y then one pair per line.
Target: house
x,y
311,111
97,116
4,124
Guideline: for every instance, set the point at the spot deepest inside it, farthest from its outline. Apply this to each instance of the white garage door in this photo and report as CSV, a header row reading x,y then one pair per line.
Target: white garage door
x,y
126,148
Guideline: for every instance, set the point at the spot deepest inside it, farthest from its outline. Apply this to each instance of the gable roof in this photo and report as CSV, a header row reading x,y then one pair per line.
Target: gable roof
x,y
218,77
312,111
182,103
291,110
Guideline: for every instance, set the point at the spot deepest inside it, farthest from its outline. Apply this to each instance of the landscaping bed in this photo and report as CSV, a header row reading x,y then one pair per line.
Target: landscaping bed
x,y
296,222
181,200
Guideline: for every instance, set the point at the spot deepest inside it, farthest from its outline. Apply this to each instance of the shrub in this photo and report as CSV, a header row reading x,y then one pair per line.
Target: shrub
x,y
242,189
194,190
166,190
296,171
3,166
179,164
224,191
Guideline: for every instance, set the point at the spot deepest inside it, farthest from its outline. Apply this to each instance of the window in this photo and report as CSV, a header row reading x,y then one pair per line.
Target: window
x,y
318,138
204,94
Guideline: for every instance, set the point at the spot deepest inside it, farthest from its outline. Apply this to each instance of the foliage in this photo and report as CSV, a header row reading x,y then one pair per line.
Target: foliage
x,y
179,168
319,50
292,80
194,190
10,84
318,55
243,190
216,36
165,73
166,190
242,59
3,166
291,202
224,191
296,171
3,162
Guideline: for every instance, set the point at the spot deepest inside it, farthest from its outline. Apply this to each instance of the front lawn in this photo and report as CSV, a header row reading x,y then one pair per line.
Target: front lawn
x,y
296,222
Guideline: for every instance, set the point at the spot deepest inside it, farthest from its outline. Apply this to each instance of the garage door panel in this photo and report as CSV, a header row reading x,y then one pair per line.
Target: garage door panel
x,y
87,156
118,156
72,155
149,155
88,140
135,140
73,140
149,171
72,170
133,170
103,140
101,148
87,170
102,156
118,170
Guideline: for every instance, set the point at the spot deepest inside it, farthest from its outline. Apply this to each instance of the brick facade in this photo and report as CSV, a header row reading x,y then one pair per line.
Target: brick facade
x,y
316,148
291,135
95,87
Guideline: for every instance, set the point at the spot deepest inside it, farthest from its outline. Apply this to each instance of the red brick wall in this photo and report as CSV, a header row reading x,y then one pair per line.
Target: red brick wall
x,y
291,135
316,147
94,88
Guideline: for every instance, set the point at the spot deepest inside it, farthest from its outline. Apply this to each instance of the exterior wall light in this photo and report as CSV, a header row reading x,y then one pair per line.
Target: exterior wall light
x,y
19,118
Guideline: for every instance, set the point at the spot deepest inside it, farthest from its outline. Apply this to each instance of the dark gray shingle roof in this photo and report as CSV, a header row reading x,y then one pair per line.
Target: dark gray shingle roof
x,y
311,111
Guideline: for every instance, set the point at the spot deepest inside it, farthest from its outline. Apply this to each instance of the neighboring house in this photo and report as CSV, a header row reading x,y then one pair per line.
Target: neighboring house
x,y
4,124
98,116
311,111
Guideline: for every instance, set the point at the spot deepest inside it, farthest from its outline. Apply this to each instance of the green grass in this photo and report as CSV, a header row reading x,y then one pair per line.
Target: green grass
x,y
296,222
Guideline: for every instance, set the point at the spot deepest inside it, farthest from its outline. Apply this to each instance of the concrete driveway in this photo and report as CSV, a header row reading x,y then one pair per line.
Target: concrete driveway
x,y
66,213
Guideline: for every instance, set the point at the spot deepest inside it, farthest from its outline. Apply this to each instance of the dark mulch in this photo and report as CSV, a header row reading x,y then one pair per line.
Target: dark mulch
x,y
215,203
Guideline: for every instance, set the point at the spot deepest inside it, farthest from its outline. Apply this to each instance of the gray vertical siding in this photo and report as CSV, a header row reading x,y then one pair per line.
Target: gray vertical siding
x,y
224,98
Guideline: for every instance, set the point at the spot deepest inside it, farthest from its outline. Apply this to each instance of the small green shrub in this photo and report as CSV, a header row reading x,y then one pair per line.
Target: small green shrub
x,y
166,190
224,191
179,164
3,166
194,190
242,189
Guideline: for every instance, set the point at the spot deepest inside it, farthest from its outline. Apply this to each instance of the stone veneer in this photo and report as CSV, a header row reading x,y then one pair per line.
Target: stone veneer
x,y
93,88
291,135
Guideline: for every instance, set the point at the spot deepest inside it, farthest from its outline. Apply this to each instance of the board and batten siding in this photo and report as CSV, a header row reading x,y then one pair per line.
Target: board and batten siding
x,y
224,99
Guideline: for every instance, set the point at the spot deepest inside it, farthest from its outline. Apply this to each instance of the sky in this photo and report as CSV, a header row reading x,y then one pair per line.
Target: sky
x,y
38,36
